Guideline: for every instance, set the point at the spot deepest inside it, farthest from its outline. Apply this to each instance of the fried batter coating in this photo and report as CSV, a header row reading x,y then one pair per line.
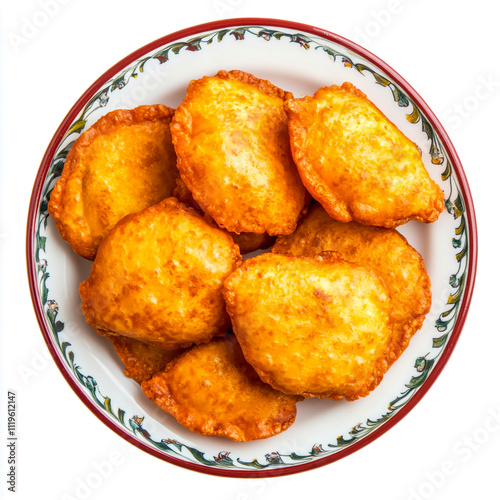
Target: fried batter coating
x,y
141,360
231,139
381,249
123,163
357,163
158,277
212,390
317,327
247,242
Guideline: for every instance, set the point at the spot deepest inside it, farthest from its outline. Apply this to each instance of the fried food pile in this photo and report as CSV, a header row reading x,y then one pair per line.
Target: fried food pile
x,y
178,210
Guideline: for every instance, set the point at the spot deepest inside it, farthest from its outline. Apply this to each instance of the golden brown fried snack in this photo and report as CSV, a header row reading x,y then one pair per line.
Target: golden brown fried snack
x,y
247,242
212,390
383,250
318,327
158,277
231,139
357,163
123,163
141,360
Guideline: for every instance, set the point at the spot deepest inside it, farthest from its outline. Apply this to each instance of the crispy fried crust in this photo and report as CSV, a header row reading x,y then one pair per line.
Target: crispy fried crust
x,y
123,163
318,327
357,163
212,390
231,139
158,277
141,360
383,250
247,242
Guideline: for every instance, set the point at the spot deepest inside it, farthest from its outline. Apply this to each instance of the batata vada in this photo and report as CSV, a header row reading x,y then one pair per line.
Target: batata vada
x,y
158,278
316,327
123,163
231,139
212,390
357,163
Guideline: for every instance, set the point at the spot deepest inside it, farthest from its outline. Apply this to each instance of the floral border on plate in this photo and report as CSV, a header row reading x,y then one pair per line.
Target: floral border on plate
x,y
444,325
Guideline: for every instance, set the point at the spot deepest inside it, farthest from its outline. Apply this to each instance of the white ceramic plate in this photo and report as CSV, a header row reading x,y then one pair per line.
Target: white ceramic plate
x,y
300,59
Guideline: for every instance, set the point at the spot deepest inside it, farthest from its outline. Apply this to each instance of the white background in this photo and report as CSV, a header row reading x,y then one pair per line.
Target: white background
x,y
449,444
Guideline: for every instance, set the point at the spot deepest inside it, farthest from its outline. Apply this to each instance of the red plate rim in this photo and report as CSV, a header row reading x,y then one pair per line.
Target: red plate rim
x,y
458,171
